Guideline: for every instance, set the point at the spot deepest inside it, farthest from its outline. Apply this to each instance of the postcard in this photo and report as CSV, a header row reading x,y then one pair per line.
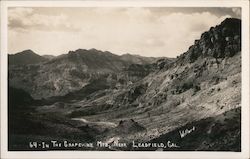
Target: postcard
x,y
125,79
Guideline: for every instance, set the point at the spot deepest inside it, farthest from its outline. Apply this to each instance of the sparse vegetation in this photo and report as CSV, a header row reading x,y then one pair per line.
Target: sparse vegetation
x,y
82,92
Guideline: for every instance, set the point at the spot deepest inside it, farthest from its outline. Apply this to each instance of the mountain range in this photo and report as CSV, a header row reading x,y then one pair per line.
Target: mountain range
x,y
91,95
66,73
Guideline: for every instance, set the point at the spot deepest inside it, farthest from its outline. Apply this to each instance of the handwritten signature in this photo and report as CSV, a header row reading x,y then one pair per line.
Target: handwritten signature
x,y
185,132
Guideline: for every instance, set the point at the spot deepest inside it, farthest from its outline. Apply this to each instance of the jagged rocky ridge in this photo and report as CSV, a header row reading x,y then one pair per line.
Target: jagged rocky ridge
x,y
221,41
202,86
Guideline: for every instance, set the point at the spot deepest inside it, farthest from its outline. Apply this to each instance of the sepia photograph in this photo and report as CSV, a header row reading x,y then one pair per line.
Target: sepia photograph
x,y
140,78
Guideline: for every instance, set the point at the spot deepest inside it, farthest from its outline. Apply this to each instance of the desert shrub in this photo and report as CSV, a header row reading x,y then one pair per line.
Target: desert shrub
x,y
175,103
133,94
187,85
217,79
197,88
184,87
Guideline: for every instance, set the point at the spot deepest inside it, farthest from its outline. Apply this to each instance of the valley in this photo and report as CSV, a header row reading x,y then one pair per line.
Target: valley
x,y
92,95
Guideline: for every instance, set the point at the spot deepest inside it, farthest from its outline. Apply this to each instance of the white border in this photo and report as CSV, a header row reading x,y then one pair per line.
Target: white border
x,y
244,4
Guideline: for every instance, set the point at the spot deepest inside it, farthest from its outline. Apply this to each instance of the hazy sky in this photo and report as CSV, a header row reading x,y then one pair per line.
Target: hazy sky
x,y
144,31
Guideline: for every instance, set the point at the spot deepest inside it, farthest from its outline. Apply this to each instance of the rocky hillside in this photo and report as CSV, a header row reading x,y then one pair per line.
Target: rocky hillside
x,y
203,82
219,42
220,133
149,102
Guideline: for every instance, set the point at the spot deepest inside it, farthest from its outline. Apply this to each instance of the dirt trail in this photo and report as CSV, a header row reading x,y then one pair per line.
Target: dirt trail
x,y
97,123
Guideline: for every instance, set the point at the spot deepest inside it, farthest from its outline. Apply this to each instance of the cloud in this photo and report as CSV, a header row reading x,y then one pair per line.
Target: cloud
x,y
27,18
182,29
237,11
143,31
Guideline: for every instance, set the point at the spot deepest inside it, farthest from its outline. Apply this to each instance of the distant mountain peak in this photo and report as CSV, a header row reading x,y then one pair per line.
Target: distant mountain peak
x,y
28,51
25,57
129,54
49,57
93,49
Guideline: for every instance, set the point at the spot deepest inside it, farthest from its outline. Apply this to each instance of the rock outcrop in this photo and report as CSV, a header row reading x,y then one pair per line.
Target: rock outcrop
x,y
198,87
221,41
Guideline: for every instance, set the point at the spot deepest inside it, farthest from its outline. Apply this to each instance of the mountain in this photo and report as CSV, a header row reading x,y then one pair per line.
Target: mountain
x,y
219,42
73,71
203,82
49,57
99,95
25,57
137,59
93,60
